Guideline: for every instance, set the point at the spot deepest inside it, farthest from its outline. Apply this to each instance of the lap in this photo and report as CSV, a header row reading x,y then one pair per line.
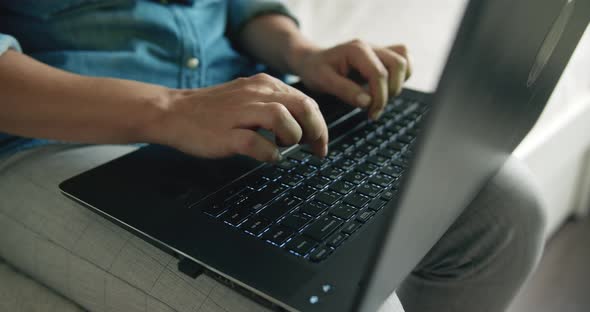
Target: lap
x,y
86,258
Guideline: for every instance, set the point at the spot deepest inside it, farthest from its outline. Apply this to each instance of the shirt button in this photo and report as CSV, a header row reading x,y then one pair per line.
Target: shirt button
x,y
192,63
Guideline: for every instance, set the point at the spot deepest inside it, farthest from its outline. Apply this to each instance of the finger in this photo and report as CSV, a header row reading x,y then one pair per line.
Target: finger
x,y
403,51
344,88
249,143
397,68
308,115
365,61
274,117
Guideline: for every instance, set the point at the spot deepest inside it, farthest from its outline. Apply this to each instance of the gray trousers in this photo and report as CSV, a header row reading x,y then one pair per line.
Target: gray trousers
x,y
478,265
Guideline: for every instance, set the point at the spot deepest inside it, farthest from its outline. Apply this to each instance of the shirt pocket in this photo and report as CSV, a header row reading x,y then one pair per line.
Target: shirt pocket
x,y
48,9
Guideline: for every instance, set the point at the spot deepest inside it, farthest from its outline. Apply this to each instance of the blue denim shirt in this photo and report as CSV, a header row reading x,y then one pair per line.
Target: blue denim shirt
x,y
178,44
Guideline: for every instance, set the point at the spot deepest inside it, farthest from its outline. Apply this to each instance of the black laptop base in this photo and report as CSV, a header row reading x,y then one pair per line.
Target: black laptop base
x,y
166,198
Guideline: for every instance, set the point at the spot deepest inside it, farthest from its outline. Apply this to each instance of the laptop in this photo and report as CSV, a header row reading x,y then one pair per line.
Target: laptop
x,y
342,233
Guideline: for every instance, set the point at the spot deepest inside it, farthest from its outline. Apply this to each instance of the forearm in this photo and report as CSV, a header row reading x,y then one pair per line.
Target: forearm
x,y
44,102
275,40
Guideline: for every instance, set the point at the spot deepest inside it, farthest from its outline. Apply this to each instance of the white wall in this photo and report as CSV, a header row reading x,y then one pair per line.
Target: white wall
x,y
387,22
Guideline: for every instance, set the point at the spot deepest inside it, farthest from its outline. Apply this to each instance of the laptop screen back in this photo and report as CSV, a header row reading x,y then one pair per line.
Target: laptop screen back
x,y
506,60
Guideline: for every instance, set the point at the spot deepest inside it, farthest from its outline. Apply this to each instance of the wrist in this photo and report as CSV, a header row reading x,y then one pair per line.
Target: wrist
x,y
155,108
299,50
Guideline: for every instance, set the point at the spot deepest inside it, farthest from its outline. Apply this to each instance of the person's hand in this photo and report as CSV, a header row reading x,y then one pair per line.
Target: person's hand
x,y
222,121
385,70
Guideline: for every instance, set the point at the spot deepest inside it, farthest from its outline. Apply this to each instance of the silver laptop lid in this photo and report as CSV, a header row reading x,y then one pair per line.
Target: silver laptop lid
x,y
506,60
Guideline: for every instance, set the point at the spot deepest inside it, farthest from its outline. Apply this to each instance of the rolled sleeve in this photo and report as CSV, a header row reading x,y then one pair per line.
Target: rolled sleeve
x,y
8,42
242,11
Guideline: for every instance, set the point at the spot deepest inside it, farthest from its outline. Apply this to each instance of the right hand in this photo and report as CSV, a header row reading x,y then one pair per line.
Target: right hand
x,y
221,121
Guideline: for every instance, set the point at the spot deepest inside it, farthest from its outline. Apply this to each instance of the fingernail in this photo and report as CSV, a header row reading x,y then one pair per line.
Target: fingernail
x,y
384,88
392,85
401,84
376,115
278,156
363,100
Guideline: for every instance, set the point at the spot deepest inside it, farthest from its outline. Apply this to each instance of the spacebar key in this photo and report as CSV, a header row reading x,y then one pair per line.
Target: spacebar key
x,y
323,227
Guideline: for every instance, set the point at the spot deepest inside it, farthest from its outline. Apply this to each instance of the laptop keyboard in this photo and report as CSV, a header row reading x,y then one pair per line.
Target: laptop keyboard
x,y
311,206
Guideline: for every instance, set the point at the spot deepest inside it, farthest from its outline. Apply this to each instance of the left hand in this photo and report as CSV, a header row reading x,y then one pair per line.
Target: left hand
x,y
384,68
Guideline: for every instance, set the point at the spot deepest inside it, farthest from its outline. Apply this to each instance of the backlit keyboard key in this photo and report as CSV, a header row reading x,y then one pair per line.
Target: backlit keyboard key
x,y
387,153
336,239
295,222
388,195
320,254
290,179
323,227
366,168
313,209
377,204
305,171
351,227
356,200
280,208
393,171
328,198
332,172
255,225
317,162
365,215
381,180
236,216
377,160
298,156
343,211
271,173
304,191
317,182
301,245
278,234
354,177
369,189
287,165
342,187
257,200
345,163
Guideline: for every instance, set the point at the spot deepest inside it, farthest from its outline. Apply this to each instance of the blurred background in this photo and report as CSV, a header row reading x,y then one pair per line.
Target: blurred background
x,y
556,150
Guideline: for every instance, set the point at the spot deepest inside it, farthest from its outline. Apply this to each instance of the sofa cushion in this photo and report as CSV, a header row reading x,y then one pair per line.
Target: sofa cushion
x,y
20,293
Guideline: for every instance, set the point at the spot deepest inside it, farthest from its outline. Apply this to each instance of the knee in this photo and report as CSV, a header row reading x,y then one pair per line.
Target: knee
x,y
500,233
518,217
519,200
492,248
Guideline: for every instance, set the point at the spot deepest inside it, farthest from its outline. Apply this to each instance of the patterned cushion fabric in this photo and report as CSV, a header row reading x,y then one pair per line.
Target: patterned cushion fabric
x,y
19,293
